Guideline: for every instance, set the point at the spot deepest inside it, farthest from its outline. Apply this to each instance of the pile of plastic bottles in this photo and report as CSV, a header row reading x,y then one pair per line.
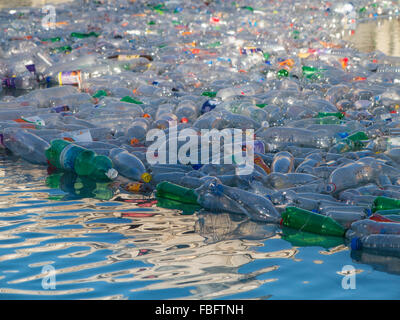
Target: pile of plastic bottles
x,y
81,93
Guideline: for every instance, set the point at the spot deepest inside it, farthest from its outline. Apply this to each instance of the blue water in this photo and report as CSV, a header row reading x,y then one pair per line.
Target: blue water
x,y
98,252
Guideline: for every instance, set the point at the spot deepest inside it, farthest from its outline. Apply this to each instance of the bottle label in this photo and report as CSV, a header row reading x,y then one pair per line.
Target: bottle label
x,y
31,68
33,120
69,77
68,156
249,50
59,109
386,117
126,57
78,135
9,83
259,146
209,105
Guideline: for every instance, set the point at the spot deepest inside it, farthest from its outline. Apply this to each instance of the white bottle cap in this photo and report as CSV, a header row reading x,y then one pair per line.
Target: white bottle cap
x,y
112,174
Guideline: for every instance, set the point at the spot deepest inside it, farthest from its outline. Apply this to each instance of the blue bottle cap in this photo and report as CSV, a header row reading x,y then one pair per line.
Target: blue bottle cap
x,y
368,211
343,134
355,244
196,166
217,189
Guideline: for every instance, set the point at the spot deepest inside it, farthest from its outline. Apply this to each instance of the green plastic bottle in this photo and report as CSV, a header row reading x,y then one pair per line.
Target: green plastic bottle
x,y
311,72
71,157
100,93
62,49
131,100
385,203
338,115
358,136
175,192
210,94
248,8
55,39
305,220
214,44
81,35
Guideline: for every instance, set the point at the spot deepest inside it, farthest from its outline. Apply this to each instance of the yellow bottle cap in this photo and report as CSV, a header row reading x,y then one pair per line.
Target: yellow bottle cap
x,y
146,177
134,187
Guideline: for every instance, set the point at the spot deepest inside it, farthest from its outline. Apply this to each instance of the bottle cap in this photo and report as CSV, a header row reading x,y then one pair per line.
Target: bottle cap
x,y
330,187
356,244
134,141
134,187
196,166
343,134
112,174
146,177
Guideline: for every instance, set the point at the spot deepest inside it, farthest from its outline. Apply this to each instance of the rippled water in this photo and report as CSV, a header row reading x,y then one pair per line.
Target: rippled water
x,y
137,250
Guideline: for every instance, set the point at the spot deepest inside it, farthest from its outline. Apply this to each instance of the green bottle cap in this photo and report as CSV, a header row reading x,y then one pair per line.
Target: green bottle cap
x,y
283,73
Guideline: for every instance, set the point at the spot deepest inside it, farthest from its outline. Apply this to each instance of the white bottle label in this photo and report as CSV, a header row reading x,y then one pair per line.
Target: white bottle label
x,y
34,119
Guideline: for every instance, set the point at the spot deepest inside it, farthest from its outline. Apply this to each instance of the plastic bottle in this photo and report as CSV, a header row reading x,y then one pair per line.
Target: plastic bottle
x,y
352,175
367,227
311,222
214,196
25,144
385,203
381,243
283,162
136,133
175,192
24,81
129,165
71,157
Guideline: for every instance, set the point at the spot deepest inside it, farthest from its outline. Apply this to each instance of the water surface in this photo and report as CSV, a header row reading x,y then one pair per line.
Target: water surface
x,y
127,248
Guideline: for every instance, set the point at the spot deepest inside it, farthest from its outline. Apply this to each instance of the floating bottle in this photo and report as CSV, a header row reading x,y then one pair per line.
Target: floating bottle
x,y
311,222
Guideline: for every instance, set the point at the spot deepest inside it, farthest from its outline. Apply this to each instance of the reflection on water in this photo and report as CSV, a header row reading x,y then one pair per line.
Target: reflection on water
x,y
130,247
127,247
28,3
379,34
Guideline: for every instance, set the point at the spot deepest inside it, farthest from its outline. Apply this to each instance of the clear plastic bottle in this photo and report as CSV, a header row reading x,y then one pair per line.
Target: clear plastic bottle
x,y
388,244
217,197
129,165
25,144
